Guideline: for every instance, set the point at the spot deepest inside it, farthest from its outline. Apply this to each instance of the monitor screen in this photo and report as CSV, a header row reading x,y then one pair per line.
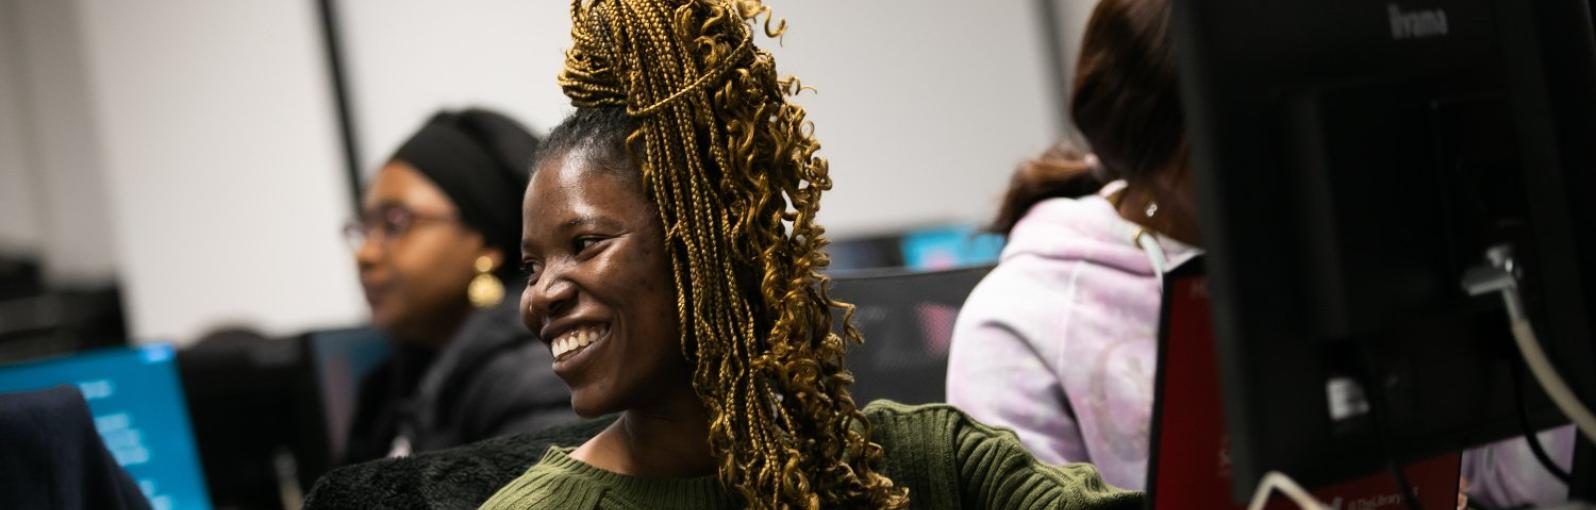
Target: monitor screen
x,y
1352,162
139,412
343,358
906,318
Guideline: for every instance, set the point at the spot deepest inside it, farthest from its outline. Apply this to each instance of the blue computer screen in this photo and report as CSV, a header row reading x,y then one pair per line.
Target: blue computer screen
x,y
139,412
949,247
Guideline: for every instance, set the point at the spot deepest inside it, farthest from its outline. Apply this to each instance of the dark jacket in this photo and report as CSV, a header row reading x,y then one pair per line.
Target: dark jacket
x,y
51,457
493,378
461,477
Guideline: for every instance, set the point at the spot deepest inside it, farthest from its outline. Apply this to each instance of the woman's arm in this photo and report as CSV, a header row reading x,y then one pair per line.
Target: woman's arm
x,y
996,472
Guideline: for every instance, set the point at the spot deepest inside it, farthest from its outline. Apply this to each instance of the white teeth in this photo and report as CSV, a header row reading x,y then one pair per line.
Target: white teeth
x,y
574,340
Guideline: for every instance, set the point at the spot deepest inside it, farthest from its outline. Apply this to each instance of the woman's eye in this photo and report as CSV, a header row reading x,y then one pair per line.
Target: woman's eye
x,y
583,243
530,269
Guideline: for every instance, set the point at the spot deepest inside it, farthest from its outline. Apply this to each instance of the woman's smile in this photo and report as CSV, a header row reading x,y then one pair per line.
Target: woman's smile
x,y
573,348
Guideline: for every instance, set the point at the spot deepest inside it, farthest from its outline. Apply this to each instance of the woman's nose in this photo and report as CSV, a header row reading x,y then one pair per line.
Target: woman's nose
x,y
369,254
550,296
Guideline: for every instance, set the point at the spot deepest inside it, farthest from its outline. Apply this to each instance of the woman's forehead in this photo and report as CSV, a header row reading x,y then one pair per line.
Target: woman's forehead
x,y
398,183
560,179
571,187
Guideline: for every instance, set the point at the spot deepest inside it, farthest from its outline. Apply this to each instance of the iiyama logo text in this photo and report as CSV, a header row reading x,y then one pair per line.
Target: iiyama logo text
x,y
1416,24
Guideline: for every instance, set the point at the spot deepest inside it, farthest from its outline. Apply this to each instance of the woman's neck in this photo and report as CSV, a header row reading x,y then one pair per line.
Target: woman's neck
x,y
670,441
438,332
1172,219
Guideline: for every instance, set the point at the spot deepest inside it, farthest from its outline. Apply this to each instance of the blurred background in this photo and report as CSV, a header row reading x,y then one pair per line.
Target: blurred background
x,y
172,167
174,175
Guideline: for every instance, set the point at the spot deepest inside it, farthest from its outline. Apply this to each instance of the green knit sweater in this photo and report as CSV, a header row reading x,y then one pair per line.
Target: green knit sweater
x,y
946,459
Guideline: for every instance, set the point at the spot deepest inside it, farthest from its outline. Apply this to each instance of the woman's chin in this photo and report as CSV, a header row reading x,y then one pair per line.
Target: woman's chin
x,y
590,407
387,318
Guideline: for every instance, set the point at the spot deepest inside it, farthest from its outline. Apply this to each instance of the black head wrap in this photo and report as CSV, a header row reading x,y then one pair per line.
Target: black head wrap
x,y
481,159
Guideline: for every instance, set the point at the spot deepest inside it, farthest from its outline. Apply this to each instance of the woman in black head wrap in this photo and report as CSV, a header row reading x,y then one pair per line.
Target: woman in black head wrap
x,y
438,223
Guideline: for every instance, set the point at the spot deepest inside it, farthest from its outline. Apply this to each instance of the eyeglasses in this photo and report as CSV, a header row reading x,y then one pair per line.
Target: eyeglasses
x,y
387,224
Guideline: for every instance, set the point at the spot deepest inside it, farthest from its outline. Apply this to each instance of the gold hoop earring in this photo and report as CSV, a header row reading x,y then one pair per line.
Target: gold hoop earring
x,y
485,290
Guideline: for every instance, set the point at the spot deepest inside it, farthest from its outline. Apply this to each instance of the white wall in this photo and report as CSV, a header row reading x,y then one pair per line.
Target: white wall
x,y
191,146
220,151
1071,16
50,151
407,58
20,231
924,106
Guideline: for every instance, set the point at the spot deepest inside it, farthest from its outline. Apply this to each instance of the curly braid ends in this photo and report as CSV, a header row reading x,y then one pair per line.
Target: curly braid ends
x,y
730,165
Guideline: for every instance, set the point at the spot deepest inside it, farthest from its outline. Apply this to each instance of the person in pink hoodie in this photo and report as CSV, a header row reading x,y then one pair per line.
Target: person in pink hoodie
x,y
1059,341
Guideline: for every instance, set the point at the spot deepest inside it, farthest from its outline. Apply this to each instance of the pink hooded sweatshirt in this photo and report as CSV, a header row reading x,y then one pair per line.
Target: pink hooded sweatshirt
x,y
1059,343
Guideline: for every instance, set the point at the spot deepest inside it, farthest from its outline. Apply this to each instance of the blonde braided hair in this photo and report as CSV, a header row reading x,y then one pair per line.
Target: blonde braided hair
x,y
730,165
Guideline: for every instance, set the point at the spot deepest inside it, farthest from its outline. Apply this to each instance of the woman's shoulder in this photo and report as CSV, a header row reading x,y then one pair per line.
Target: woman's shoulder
x,y
460,477
555,481
561,481
1062,246
1061,231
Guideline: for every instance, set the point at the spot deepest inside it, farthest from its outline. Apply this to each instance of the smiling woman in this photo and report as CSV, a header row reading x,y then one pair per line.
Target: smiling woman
x,y
673,260
673,257
600,290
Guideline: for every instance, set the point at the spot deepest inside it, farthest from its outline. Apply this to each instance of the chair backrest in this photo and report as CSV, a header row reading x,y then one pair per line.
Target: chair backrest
x,y
906,319
258,401
245,394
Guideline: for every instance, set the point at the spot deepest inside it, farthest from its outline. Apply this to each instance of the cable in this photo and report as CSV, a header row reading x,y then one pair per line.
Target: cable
x,y
1404,488
1140,236
1374,378
1274,480
1529,432
1530,347
1155,254
1383,431
1501,277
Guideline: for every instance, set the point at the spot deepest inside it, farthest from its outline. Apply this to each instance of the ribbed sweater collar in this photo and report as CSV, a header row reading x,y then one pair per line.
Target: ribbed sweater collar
x,y
699,492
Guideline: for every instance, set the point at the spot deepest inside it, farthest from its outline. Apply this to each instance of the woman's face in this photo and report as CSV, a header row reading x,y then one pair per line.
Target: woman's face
x,y
417,258
599,289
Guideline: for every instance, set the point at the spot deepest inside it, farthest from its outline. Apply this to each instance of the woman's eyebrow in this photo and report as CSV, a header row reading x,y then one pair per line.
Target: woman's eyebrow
x,y
529,244
585,220
382,205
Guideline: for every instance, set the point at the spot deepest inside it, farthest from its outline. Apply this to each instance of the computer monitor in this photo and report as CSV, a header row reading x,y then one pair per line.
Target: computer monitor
x,y
1352,160
272,414
342,359
906,318
139,412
